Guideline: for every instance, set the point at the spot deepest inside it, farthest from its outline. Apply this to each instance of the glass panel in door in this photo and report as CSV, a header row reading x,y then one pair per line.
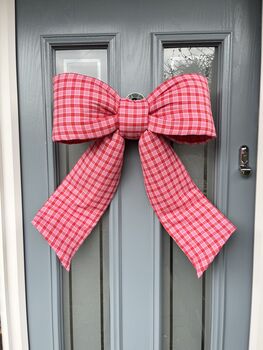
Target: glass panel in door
x,y
85,287
185,299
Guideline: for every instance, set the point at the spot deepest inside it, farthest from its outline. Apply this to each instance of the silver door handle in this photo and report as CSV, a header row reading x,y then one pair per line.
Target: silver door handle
x,y
244,168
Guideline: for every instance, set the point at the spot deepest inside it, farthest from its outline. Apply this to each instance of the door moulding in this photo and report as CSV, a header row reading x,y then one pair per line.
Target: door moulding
x,y
49,45
223,42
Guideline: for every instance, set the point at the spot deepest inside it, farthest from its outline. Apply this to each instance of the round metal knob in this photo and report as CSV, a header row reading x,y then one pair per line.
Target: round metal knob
x,y
135,96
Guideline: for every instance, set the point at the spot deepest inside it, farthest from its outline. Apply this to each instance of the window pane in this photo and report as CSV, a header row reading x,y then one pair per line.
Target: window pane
x,y
85,287
89,62
185,316
183,60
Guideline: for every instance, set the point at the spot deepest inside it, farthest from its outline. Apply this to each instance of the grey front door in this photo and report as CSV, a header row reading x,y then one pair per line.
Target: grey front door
x,y
130,287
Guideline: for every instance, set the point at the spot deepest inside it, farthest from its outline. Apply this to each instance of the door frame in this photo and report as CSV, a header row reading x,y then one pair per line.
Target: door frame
x,y
256,335
12,272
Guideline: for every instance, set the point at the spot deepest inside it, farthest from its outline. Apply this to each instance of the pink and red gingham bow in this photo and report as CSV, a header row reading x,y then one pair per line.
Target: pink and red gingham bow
x,y
86,108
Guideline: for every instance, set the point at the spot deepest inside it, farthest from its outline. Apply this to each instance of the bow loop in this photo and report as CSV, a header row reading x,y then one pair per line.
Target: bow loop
x,y
85,108
180,109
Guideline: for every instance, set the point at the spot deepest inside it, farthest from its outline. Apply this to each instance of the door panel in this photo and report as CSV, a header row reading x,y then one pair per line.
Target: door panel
x,y
130,287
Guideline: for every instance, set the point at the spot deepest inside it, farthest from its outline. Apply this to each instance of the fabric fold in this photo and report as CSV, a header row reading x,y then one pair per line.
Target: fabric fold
x,y
193,222
74,209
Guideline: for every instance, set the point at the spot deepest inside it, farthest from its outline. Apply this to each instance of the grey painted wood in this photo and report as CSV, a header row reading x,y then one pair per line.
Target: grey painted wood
x,y
137,256
134,21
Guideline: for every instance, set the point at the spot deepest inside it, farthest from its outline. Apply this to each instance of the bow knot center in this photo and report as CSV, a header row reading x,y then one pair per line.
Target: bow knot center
x,y
132,117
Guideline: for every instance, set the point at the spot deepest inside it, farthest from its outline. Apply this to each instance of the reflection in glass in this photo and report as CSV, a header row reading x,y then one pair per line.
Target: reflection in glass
x,y
88,62
186,299
183,60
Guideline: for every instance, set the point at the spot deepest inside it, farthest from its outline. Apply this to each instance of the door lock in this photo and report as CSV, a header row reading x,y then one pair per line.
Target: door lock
x,y
244,168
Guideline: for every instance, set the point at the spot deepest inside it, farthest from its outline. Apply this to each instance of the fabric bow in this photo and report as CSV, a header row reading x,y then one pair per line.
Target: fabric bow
x,y
86,108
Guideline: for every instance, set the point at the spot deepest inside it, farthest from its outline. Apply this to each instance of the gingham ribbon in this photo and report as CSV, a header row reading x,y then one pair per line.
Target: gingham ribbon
x,y
86,108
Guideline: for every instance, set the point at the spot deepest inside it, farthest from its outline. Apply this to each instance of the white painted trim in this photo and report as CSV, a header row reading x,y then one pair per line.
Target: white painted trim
x,y
256,333
12,277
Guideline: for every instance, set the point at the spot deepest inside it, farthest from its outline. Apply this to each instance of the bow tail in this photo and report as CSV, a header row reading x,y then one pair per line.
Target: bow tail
x,y
195,224
73,210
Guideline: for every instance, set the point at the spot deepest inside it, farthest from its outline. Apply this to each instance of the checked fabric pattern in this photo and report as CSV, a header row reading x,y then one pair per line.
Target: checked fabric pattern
x,y
86,108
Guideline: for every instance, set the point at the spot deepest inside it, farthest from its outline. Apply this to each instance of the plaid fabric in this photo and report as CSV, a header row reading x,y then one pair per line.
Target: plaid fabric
x,y
86,108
